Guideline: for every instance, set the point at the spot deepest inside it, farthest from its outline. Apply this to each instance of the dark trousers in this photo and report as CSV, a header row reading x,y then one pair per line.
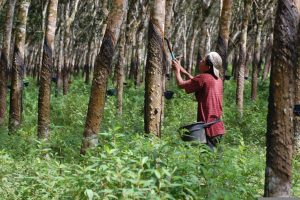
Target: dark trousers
x,y
214,141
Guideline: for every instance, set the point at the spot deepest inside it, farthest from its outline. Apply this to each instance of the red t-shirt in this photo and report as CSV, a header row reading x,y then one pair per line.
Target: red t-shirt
x,y
209,94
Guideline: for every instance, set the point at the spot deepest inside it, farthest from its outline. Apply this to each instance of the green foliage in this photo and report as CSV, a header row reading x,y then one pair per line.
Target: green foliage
x,y
129,165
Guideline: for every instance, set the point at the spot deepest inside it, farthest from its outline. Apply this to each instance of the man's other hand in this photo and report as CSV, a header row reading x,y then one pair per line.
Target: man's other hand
x,y
176,66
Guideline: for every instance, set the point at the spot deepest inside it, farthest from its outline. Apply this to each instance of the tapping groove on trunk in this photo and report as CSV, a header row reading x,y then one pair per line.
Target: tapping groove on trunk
x,y
281,101
153,80
16,92
101,75
3,85
108,51
44,93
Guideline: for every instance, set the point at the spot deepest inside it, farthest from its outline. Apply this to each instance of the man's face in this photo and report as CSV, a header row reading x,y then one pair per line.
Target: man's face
x,y
202,66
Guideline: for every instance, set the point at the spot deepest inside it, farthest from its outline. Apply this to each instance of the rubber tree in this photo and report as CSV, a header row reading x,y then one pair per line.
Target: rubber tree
x,y
17,73
140,43
120,76
44,18
242,57
278,173
168,30
297,96
224,25
5,58
46,72
101,74
154,67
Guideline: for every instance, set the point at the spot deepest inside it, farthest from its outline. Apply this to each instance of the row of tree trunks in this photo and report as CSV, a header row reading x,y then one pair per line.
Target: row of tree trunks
x,y
281,101
101,74
242,57
69,18
154,68
261,14
16,92
5,59
46,72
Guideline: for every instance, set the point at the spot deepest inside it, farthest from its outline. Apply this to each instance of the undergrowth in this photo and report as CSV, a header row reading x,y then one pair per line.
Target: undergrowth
x,y
128,165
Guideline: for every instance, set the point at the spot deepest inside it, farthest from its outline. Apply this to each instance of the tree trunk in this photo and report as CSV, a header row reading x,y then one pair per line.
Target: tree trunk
x,y
16,91
101,74
278,173
46,73
70,16
168,31
269,53
297,98
224,25
191,54
120,67
139,54
41,46
59,80
153,80
256,60
242,58
5,58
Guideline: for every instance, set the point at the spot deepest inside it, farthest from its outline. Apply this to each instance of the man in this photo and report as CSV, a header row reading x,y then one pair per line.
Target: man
x,y
208,88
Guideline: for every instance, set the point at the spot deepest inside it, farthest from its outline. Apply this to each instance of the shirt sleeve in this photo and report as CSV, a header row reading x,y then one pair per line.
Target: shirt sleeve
x,y
191,86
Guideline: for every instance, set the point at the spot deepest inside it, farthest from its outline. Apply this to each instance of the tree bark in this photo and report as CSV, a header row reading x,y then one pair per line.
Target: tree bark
x,y
280,131
256,60
41,45
296,142
46,73
242,57
153,80
5,58
101,74
59,79
120,68
70,16
16,91
224,25
168,31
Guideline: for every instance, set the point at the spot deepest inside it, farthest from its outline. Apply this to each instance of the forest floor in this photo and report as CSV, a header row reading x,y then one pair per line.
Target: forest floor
x,y
127,165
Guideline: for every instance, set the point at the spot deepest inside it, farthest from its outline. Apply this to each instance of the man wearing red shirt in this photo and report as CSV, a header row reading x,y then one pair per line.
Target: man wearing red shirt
x,y
208,88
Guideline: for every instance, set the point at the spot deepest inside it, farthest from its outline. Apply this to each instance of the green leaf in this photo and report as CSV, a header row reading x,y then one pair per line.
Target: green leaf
x,y
89,193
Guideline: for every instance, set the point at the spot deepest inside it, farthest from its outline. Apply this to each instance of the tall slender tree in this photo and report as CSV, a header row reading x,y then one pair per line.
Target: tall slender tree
x,y
297,95
46,72
16,91
154,68
278,172
242,57
101,74
257,52
222,44
120,67
5,58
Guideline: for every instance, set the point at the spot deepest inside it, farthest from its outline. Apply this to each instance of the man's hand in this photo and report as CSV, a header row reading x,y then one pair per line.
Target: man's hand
x,y
179,69
176,66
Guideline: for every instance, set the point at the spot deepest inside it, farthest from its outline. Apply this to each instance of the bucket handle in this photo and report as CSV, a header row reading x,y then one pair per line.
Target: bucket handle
x,y
211,123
